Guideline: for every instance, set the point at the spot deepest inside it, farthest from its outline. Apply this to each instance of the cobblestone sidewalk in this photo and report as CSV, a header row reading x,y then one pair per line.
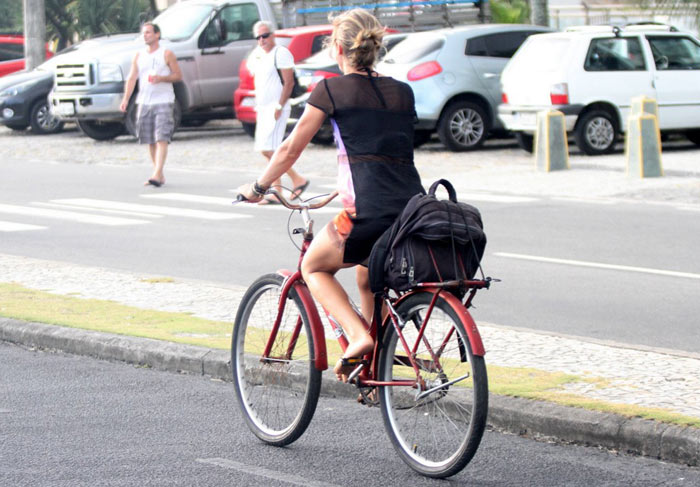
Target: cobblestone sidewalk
x,y
635,376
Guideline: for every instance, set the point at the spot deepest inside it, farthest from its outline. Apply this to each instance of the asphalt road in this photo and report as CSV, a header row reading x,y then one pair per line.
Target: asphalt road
x,y
73,421
641,297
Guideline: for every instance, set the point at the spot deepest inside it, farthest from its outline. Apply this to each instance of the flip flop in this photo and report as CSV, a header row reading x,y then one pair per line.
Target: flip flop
x,y
296,192
269,200
155,183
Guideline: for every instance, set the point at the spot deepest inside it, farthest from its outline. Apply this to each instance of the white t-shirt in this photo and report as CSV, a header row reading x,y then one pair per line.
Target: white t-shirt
x,y
268,86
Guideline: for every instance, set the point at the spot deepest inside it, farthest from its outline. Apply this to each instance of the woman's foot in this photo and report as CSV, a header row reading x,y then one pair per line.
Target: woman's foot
x,y
354,353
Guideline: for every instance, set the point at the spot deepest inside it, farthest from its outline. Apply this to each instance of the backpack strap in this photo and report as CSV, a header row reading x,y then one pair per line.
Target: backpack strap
x,y
451,193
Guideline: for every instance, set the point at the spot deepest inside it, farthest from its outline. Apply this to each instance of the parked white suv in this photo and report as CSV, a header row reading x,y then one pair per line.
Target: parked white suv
x,y
592,73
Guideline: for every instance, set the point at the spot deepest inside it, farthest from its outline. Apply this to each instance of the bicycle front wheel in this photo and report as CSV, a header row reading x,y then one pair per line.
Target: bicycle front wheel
x,y
436,430
277,393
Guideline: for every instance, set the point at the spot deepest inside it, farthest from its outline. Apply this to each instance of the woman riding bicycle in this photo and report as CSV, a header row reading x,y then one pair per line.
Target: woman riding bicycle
x,y
372,118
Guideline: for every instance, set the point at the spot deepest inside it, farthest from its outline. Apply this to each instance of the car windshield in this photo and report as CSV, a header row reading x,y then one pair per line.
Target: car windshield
x,y
540,54
414,47
177,24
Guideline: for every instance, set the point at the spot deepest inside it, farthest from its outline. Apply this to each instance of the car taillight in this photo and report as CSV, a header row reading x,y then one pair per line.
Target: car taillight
x,y
318,76
559,94
504,98
424,70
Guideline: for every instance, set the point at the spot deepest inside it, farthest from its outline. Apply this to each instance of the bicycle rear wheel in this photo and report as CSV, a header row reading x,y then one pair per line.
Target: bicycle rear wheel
x,y
277,394
438,434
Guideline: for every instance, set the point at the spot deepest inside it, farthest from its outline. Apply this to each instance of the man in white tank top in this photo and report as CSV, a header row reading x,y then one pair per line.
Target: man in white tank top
x,y
156,70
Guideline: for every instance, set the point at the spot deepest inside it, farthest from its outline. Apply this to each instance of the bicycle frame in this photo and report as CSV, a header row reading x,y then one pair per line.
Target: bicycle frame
x,y
367,376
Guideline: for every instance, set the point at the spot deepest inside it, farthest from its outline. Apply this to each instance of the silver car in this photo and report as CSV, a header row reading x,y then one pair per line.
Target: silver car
x,y
455,76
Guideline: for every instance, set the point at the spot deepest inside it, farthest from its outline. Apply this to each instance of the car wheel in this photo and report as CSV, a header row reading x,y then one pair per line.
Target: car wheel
x,y
463,126
249,128
693,136
130,118
98,130
17,126
324,136
525,141
42,120
420,137
596,133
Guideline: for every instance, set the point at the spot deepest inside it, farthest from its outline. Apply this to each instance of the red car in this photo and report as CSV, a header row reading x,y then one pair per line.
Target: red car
x,y
12,53
302,43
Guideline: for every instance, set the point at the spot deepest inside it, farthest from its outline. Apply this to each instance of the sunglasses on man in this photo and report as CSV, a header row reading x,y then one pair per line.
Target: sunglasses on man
x,y
263,36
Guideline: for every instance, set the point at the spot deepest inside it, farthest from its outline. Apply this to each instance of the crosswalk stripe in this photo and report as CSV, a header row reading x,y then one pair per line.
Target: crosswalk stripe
x,y
101,210
69,215
18,227
163,210
191,198
228,202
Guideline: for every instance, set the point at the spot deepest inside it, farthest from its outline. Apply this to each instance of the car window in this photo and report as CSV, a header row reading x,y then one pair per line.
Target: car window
x,y
615,54
413,48
177,24
503,44
238,21
675,53
9,52
233,23
541,54
317,43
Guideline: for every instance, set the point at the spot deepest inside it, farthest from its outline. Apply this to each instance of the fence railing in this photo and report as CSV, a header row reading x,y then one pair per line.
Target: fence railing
x,y
402,15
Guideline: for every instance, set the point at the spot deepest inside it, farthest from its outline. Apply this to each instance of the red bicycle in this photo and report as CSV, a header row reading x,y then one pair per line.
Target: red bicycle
x,y
427,371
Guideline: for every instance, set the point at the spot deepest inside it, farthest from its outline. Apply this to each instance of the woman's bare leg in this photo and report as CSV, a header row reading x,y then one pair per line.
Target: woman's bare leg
x,y
323,259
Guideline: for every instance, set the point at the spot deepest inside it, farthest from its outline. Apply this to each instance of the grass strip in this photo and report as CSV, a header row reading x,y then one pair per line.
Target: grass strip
x,y
21,303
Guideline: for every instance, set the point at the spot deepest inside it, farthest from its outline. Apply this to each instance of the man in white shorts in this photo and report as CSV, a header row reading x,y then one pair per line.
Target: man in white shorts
x,y
270,64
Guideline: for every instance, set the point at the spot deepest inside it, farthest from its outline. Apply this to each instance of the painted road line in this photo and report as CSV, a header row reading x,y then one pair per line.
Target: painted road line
x,y
257,470
101,210
69,215
493,198
595,201
135,207
18,227
599,265
229,202
191,198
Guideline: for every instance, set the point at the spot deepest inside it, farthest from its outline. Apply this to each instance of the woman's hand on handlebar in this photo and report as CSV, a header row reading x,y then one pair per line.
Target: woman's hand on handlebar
x,y
246,193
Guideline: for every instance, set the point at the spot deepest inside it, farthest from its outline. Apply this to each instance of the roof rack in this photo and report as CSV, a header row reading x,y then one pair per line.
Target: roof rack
x,y
653,26
590,28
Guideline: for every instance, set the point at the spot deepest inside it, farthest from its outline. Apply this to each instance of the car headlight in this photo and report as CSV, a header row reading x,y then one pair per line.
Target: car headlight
x,y
109,73
16,89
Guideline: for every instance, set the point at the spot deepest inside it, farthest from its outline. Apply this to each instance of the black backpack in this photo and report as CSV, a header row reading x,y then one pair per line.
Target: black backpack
x,y
297,89
431,241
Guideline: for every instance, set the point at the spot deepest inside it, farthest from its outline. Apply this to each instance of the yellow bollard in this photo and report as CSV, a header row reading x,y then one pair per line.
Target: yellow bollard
x,y
643,147
551,147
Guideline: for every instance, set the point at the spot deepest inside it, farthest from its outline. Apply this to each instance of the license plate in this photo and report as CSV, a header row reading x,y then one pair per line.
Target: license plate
x,y
529,119
66,109
248,102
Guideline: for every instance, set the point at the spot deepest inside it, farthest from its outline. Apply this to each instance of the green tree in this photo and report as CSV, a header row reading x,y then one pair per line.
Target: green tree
x,y
510,11
72,20
11,19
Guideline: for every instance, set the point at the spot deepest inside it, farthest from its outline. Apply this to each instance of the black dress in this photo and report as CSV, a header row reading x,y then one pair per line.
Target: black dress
x,y
373,123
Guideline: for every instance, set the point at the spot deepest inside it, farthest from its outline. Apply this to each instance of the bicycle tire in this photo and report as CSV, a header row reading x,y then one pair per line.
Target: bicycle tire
x,y
278,398
439,434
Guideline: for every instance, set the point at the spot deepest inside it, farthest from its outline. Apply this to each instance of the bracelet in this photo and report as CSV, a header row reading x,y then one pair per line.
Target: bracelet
x,y
259,190
279,106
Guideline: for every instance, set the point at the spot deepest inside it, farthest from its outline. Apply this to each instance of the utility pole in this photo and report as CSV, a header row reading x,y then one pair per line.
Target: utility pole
x,y
540,12
34,33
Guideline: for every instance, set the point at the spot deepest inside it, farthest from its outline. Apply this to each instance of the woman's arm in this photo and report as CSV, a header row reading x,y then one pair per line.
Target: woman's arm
x,y
287,154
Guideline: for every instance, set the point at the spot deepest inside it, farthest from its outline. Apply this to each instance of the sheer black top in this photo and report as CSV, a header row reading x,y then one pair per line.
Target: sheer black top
x,y
373,123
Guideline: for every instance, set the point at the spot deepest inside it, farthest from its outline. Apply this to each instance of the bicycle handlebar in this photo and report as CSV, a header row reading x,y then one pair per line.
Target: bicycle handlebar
x,y
292,206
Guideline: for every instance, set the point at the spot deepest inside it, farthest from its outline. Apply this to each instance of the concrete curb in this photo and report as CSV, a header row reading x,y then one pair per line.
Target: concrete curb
x,y
536,419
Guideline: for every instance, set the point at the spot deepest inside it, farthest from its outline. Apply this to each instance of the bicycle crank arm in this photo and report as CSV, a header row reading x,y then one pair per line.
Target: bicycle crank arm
x,y
355,372
441,386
